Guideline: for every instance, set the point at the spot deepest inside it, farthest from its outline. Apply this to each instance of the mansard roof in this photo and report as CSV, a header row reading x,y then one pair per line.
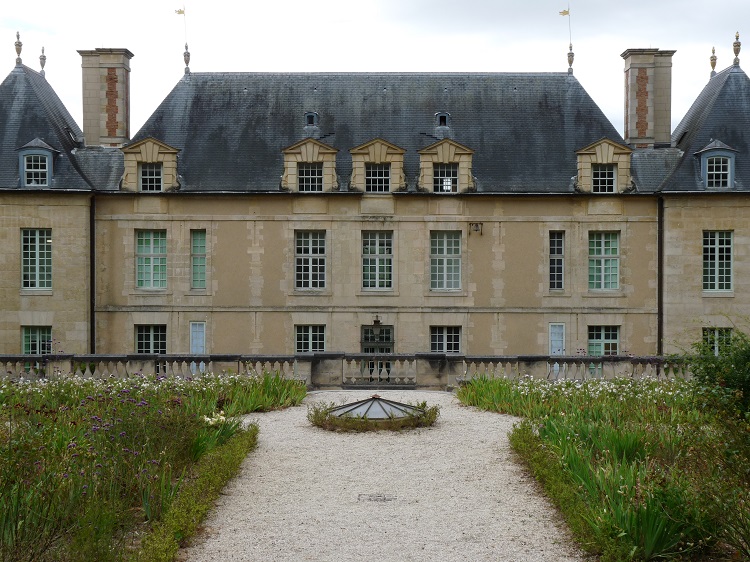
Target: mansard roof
x,y
720,113
524,129
32,116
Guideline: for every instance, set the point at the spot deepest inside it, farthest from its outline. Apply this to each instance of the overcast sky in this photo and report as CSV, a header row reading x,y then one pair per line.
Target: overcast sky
x,y
377,35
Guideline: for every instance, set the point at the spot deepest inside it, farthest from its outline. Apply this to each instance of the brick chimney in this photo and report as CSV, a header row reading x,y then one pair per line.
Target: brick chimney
x,y
648,97
106,96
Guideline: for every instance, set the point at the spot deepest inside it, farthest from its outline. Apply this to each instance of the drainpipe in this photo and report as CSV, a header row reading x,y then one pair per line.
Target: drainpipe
x,y
660,277
92,274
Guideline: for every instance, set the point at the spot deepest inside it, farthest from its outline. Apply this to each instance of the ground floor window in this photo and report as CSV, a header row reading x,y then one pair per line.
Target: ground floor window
x,y
604,340
445,339
151,338
37,340
310,338
717,338
377,339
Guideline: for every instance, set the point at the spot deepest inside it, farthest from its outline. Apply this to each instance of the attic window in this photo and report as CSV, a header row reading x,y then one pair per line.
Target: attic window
x,y
717,166
442,119
603,178
150,176
717,172
310,176
445,178
311,119
36,170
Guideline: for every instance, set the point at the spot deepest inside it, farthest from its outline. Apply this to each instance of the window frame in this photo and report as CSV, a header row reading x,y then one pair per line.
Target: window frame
x,y
379,262
44,156
717,274
310,177
603,336
151,265
377,177
603,265
310,265
445,265
151,177
445,339
556,246
717,338
309,338
710,176
198,259
39,337
36,259
152,337
442,174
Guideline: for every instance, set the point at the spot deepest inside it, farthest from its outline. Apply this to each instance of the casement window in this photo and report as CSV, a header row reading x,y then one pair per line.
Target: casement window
x,y
150,176
37,340
556,260
604,340
557,338
717,260
377,178
377,339
445,178
445,339
717,339
603,178
36,170
197,259
151,338
310,176
310,259
36,258
197,345
377,260
604,260
445,260
309,338
717,171
151,259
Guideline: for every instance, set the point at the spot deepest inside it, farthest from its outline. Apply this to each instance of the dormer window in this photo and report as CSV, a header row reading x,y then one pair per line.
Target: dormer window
x,y
150,176
445,167
35,171
377,178
717,171
445,178
311,119
35,164
717,165
310,176
442,119
603,178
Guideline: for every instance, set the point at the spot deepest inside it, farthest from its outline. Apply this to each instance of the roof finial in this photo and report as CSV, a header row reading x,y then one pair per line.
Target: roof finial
x,y
736,45
18,47
186,58
42,61
571,56
713,61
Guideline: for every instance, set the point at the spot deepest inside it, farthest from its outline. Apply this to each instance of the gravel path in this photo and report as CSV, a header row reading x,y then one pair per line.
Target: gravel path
x,y
450,492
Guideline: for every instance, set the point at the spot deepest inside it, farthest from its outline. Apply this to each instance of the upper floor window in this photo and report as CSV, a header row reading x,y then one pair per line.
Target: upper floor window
x,y
445,178
310,176
604,260
151,259
35,170
717,260
377,178
445,339
603,178
36,258
197,259
445,260
310,259
377,260
556,259
150,176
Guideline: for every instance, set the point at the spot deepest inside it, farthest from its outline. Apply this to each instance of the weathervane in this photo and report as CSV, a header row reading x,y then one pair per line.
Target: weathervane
x,y
571,54
186,54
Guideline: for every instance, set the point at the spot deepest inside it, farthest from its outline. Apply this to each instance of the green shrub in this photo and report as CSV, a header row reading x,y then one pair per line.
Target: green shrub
x,y
728,369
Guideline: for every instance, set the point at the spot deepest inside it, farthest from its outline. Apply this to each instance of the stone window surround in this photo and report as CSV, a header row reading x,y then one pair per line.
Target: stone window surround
x,y
149,151
446,151
378,151
309,151
607,152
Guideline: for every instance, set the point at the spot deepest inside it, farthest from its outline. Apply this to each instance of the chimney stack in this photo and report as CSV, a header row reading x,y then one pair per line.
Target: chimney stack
x,y
648,97
106,96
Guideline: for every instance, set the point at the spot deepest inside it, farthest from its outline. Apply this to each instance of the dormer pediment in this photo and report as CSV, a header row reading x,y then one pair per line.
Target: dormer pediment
x,y
150,165
38,143
309,166
604,167
446,149
377,150
310,150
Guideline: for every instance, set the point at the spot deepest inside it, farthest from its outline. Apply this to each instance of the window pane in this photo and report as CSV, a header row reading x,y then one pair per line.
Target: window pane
x,y
445,260
604,261
37,340
377,260
198,259
151,259
556,259
151,339
310,176
377,178
309,339
717,260
150,176
445,178
310,260
603,178
445,339
35,170
717,172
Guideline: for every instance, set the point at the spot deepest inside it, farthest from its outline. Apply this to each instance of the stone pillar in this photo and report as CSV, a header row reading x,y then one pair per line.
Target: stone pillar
x,y
106,96
648,97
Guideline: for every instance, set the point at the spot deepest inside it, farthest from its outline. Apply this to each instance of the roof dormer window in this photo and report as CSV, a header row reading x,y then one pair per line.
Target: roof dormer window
x,y
35,164
442,119
150,167
309,167
603,178
717,165
445,167
150,176
604,168
311,119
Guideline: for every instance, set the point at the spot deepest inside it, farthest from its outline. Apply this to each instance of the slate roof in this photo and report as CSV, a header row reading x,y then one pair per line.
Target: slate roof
x,y
720,113
31,114
524,128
